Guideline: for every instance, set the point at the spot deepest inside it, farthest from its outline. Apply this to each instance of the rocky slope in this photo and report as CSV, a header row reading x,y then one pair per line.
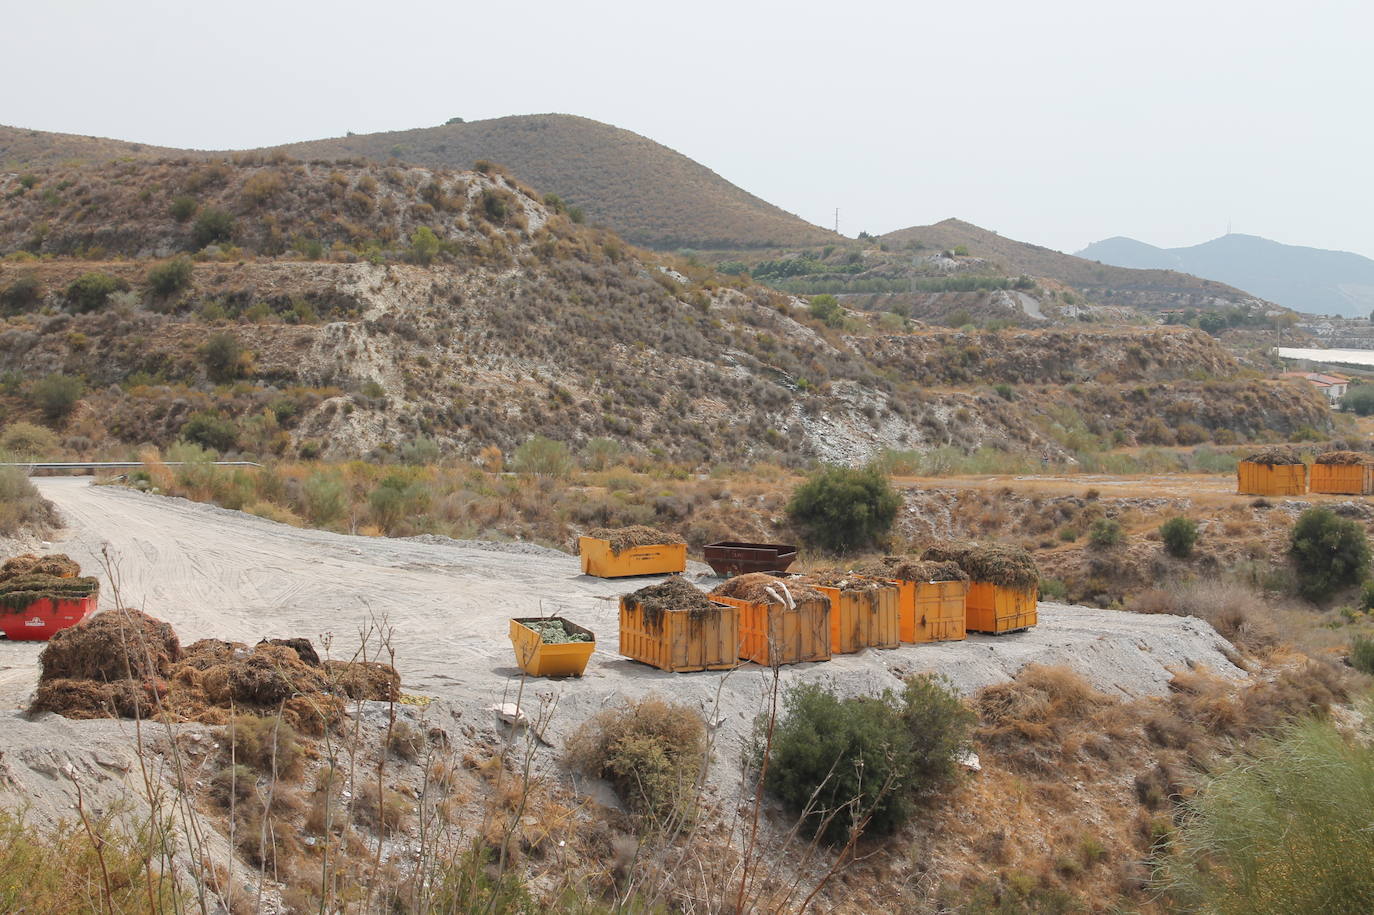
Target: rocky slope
x,y
355,309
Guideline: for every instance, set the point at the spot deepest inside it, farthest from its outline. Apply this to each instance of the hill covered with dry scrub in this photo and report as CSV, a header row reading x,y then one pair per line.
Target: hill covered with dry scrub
x,y
272,306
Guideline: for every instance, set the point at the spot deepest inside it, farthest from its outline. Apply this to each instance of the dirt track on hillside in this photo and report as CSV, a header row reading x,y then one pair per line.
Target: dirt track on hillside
x,y
217,573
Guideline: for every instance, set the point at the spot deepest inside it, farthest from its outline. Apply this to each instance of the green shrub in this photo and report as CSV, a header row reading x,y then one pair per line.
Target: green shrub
x,y
182,208
652,751
1362,654
24,294
170,276
424,245
57,395
826,308
223,356
420,451
842,509
211,429
324,498
28,441
1367,596
1053,589
862,763
1105,533
1359,399
396,498
1329,552
92,291
1284,830
1179,536
543,456
211,226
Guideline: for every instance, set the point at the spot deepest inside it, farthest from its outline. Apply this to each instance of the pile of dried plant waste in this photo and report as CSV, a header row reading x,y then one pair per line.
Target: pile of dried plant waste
x,y
762,588
1346,458
625,538
909,568
1275,455
29,578
997,563
126,664
848,582
672,595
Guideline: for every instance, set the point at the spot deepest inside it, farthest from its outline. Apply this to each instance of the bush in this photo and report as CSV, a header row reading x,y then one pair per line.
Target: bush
x,y
600,453
324,499
1330,553
23,294
212,225
860,764
170,276
1179,536
182,208
1362,654
92,291
211,429
395,499
543,456
842,509
268,745
1105,533
652,751
57,395
1359,399
424,245
420,451
223,356
826,308
27,440
1286,830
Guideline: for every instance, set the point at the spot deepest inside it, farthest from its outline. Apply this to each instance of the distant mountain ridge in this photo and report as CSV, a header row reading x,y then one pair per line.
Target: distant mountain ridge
x,y
1305,279
647,193
1152,287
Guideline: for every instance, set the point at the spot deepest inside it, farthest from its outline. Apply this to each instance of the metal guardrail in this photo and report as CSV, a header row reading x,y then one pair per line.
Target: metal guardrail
x,y
111,465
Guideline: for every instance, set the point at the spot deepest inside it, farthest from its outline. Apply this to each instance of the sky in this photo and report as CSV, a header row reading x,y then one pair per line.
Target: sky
x,y
1060,122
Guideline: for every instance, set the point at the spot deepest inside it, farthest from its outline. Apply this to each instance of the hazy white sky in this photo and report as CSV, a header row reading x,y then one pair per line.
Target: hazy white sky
x,y
1058,122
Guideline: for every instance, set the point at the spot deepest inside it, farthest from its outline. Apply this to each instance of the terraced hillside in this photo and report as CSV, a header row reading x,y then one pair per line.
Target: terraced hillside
x,y
355,310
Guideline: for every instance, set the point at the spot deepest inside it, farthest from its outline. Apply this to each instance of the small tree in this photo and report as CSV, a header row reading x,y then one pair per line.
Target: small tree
x,y
826,308
182,208
424,245
842,509
1359,399
223,356
23,294
57,395
211,429
1179,536
212,225
1330,553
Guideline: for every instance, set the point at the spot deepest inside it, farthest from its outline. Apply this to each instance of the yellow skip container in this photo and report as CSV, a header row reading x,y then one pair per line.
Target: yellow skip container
x,y
862,619
539,659
997,609
932,611
655,559
680,641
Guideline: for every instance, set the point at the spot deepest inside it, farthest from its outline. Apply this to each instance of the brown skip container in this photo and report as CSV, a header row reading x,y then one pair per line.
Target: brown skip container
x,y
735,557
932,611
681,641
1345,479
862,619
770,634
1271,479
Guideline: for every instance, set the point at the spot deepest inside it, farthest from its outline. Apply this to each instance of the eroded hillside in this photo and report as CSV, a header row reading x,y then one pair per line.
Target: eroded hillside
x,y
343,309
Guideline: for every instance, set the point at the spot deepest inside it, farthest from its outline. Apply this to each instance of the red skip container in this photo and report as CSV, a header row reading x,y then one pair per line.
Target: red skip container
x,y
41,619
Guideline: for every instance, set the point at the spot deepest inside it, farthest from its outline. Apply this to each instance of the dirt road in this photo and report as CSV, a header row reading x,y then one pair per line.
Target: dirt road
x,y
217,573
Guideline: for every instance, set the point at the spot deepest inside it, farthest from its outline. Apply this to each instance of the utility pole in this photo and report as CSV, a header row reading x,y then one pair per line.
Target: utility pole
x,y
837,220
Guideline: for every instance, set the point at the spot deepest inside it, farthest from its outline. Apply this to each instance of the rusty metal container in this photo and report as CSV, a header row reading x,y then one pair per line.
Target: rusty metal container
x,y
733,557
